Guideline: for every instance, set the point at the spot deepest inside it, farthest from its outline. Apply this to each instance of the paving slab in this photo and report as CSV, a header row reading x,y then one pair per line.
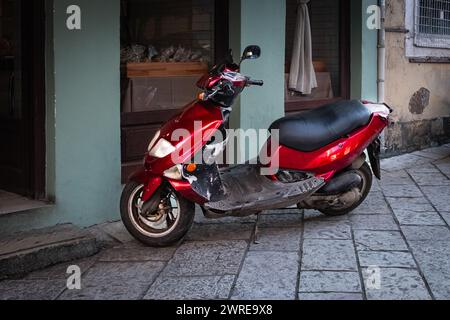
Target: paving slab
x,y
327,296
201,219
278,239
443,166
434,261
419,233
373,222
398,284
414,218
116,281
379,241
104,240
376,186
213,232
442,151
25,252
395,178
392,259
211,258
402,162
281,220
31,289
375,203
327,229
424,168
335,255
267,276
117,231
412,204
59,272
428,155
123,254
430,179
439,197
191,288
446,217
291,210
402,191
329,281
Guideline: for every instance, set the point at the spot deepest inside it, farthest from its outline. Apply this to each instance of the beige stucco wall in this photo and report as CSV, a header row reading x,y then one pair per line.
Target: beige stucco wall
x,y
404,78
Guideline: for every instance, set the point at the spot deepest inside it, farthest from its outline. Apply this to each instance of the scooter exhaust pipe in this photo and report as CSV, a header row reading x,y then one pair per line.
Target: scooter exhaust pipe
x,y
342,183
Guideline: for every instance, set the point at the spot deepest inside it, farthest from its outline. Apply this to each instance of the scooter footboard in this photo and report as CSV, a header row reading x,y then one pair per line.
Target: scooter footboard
x,y
247,190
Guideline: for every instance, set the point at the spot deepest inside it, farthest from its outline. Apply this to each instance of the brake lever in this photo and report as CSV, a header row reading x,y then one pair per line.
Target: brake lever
x,y
212,94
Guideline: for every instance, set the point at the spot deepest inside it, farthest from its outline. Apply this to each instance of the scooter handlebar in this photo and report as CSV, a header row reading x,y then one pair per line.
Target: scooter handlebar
x,y
258,83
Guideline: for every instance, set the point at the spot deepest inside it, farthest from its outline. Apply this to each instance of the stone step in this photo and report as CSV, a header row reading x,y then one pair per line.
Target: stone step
x,y
25,252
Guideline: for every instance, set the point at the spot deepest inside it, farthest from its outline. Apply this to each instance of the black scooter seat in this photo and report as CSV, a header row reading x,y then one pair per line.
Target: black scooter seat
x,y
313,130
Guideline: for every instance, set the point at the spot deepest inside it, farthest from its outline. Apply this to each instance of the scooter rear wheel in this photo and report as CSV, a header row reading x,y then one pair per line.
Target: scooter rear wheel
x,y
166,225
367,179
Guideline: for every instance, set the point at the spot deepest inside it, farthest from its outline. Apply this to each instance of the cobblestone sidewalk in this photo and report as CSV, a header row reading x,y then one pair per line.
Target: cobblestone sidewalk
x,y
402,230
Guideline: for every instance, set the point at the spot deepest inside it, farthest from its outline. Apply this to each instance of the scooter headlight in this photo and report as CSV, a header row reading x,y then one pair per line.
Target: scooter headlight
x,y
162,149
174,173
152,143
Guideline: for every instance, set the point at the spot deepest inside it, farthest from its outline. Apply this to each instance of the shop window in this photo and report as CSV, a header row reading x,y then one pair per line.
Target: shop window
x,y
330,52
432,23
166,46
427,25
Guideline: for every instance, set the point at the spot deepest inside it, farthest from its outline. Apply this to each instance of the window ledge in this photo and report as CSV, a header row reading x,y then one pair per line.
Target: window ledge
x,y
430,60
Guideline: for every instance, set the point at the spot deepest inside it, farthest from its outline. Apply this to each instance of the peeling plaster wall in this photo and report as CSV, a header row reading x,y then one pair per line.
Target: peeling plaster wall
x,y
418,92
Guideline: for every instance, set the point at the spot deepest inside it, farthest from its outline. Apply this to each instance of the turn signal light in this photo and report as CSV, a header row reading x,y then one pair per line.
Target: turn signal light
x,y
191,168
201,96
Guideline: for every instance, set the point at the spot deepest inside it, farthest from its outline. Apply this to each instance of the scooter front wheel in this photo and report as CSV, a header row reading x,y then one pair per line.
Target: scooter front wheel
x,y
165,223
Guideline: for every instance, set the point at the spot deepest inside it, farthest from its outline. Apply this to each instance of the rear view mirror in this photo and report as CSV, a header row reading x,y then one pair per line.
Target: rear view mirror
x,y
251,53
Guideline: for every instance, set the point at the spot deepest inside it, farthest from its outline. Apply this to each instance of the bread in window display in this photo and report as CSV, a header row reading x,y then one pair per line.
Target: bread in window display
x,y
139,53
133,53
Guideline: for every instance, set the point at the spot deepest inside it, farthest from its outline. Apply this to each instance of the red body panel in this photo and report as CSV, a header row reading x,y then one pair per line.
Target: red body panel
x,y
328,160
195,137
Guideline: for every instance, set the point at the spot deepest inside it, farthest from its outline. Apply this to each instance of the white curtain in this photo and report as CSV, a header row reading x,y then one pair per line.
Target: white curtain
x,y
302,76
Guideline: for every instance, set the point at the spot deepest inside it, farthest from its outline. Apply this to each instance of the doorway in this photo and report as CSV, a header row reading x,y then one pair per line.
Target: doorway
x,y
22,98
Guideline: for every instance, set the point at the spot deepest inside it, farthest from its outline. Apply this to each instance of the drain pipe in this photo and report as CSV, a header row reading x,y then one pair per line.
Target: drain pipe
x,y
381,53
382,65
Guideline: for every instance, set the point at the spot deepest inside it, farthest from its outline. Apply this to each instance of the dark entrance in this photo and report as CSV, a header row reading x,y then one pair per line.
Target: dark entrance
x,y
22,92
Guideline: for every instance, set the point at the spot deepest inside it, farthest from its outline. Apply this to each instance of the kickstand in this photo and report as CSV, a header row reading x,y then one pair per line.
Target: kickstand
x,y
256,239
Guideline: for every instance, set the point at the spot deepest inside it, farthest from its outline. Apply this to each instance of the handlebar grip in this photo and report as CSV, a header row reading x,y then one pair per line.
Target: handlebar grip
x,y
259,83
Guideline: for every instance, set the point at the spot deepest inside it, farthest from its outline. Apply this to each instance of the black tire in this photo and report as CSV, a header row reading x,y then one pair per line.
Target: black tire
x,y
367,175
173,235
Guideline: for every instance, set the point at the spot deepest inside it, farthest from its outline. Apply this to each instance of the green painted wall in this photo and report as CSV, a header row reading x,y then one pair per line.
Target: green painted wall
x,y
83,119
363,52
263,23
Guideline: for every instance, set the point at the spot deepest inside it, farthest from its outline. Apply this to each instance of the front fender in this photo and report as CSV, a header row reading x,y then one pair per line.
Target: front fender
x,y
151,183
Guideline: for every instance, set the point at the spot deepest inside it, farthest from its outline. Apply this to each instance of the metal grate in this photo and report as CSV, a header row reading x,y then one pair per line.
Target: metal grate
x,y
432,23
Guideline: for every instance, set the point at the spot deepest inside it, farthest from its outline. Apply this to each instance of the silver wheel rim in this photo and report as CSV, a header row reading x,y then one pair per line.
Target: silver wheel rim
x,y
156,225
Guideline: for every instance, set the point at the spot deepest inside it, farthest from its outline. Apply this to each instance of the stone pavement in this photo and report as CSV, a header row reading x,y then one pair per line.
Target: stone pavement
x,y
395,246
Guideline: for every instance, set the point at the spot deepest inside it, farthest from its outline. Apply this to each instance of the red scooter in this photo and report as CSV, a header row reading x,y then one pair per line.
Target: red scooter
x,y
320,162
